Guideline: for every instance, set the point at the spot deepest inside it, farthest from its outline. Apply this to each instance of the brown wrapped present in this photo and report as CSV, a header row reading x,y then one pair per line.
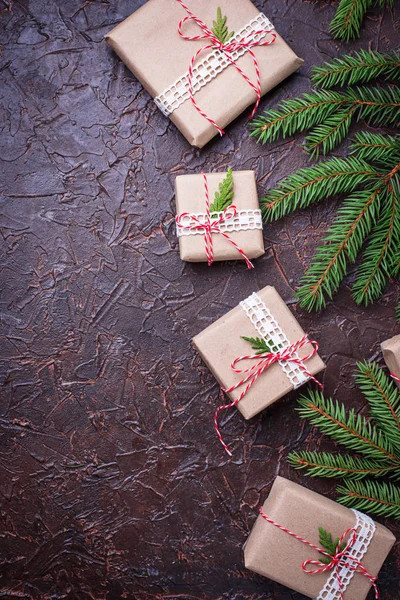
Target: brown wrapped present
x,y
150,45
391,354
236,233
290,512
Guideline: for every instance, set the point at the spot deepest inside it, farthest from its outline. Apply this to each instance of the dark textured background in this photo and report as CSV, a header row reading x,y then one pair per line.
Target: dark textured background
x,y
112,482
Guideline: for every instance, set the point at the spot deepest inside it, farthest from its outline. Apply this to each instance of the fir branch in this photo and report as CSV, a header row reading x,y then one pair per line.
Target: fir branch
x,y
381,256
348,19
383,399
223,197
362,67
220,29
383,150
261,345
376,105
349,429
379,498
313,184
327,465
326,541
342,244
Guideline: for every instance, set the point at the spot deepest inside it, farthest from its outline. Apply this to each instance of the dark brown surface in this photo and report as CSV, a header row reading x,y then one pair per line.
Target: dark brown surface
x,y
112,482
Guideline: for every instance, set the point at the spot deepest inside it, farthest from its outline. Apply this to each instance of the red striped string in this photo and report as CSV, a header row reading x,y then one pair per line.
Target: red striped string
x,y
264,361
393,376
337,561
248,41
211,226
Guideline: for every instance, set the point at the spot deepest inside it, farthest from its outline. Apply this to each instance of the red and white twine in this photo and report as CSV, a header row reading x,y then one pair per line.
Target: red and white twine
x,y
264,361
211,226
393,376
337,561
227,48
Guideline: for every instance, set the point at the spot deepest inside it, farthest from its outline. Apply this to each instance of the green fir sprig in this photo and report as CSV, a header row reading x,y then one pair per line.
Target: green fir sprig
x,y
329,544
220,29
370,212
349,16
261,345
375,440
328,113
224,195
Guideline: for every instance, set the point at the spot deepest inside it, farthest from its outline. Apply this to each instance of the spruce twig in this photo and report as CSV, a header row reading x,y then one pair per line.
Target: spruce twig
x,y
329,544
220,29
376,441
224,195
346,24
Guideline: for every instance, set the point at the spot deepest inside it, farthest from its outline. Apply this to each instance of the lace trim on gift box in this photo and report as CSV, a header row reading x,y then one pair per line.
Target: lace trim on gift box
x,y
207,69
244,220
268,328
365,532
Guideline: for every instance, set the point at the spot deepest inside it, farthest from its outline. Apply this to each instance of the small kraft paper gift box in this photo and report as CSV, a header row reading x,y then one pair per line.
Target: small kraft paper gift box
x,y
258,352
391,354
203,61
218,217
287,545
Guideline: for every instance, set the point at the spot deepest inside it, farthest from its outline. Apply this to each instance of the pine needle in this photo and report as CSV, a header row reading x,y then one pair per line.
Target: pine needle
x,y
375,497
348,18
327,465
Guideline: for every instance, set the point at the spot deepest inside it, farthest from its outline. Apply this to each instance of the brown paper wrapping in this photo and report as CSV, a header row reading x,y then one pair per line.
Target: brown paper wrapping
x,y
149,44
275,554
391,354
190,197
221,343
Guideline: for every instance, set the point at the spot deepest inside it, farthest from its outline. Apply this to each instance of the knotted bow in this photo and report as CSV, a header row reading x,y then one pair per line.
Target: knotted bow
x,y
253,372
337,561
211,226
248,41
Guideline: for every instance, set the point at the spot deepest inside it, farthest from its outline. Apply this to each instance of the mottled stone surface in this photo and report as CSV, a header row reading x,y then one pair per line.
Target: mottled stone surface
x,y
112,482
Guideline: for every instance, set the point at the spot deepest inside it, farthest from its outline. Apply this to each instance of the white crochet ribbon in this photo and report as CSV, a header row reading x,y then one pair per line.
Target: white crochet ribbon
x,y
365,528
244,220
212,65
268,328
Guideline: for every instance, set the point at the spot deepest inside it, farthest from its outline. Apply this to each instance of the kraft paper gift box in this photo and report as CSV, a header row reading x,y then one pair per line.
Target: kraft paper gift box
x,y
391,354
273,553
149,44
222,342
190,198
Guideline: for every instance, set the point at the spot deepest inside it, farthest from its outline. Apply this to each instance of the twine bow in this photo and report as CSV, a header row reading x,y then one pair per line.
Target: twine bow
x,y
337,561
248,41
211,226
253,372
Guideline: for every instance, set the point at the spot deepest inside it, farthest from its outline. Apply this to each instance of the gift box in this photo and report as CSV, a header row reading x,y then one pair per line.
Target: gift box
x,y
263,315
272,550
234,231
150,45
391,354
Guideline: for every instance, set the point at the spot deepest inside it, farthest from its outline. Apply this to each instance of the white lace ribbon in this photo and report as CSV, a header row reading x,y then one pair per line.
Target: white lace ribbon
x,y
242,221
211,66
268,328
365,528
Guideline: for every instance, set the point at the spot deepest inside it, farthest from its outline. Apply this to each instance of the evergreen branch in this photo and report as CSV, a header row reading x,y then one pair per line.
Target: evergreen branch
x,y
326,136
383,150
220,29
297,114
376,105
351,430
327,465
379,498
223,197
343,242
261,345
362,67
313,184
383,399
348,19
381,256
